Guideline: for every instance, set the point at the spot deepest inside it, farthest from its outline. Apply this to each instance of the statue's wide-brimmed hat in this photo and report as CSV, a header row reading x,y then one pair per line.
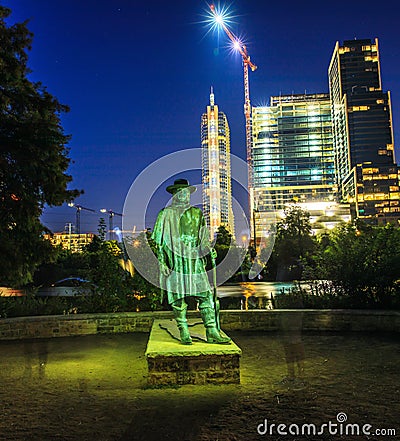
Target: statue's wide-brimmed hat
x,y
179,184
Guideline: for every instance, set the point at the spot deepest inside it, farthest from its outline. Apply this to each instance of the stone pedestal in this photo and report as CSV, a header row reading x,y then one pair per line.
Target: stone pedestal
x,y
171,363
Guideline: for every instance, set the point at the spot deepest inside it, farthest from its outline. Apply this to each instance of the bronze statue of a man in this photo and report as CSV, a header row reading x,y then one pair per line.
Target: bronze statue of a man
x,y
183,241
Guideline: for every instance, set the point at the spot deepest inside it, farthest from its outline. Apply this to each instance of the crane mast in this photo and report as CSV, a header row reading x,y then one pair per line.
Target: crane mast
x,y
111,215
247,106
79,208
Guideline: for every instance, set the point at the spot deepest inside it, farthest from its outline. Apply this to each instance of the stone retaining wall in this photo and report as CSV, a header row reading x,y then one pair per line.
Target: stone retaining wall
x,y
76,324
253,320
340,320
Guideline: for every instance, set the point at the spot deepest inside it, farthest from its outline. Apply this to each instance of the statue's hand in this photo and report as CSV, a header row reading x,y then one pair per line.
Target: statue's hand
x,y
165,270
213,253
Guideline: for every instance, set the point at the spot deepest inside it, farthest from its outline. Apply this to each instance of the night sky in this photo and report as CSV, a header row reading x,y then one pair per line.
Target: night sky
x,y
137,75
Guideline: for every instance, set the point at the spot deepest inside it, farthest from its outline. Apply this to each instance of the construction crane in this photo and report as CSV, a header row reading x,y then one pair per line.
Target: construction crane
x,y
241,48
79,208
111,215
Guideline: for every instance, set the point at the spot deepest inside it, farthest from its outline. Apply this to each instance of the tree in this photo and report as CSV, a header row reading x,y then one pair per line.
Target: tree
x,y
364,261
33,157
224,237
232,261
142,250
102,229
223,243
293,245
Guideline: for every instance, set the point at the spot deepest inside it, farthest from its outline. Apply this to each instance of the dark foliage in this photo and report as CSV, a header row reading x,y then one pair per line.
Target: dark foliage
x,y
293,248
33,157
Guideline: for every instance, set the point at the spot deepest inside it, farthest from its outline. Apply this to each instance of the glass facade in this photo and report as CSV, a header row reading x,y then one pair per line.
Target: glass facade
x,y
216,169
293,157
363,134
293,150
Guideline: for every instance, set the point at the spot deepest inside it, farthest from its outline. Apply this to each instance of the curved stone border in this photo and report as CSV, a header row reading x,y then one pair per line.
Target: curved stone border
x,y
340,320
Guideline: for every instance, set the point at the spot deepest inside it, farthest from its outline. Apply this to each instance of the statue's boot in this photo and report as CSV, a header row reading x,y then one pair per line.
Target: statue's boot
x,y
179,309
212,333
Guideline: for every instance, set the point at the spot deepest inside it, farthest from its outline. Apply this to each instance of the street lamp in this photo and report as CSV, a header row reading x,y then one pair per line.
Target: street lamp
x,y
255,210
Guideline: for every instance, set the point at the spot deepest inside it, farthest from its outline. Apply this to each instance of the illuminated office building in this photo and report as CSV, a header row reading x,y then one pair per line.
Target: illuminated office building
x,y
293,157
70,241
216,169
367,175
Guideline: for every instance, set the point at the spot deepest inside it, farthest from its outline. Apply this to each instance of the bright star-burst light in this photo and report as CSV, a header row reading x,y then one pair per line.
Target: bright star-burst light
x,y
223,16
236,46
219,19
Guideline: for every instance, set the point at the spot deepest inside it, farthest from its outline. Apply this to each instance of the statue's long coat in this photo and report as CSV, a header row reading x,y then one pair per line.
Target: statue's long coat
x,y
183,242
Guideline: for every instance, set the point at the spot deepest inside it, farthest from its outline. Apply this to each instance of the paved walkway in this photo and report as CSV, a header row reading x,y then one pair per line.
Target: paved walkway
x,y
94,388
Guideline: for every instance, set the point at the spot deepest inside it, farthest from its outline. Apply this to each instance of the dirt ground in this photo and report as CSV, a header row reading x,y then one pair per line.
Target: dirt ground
x,y
94,388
